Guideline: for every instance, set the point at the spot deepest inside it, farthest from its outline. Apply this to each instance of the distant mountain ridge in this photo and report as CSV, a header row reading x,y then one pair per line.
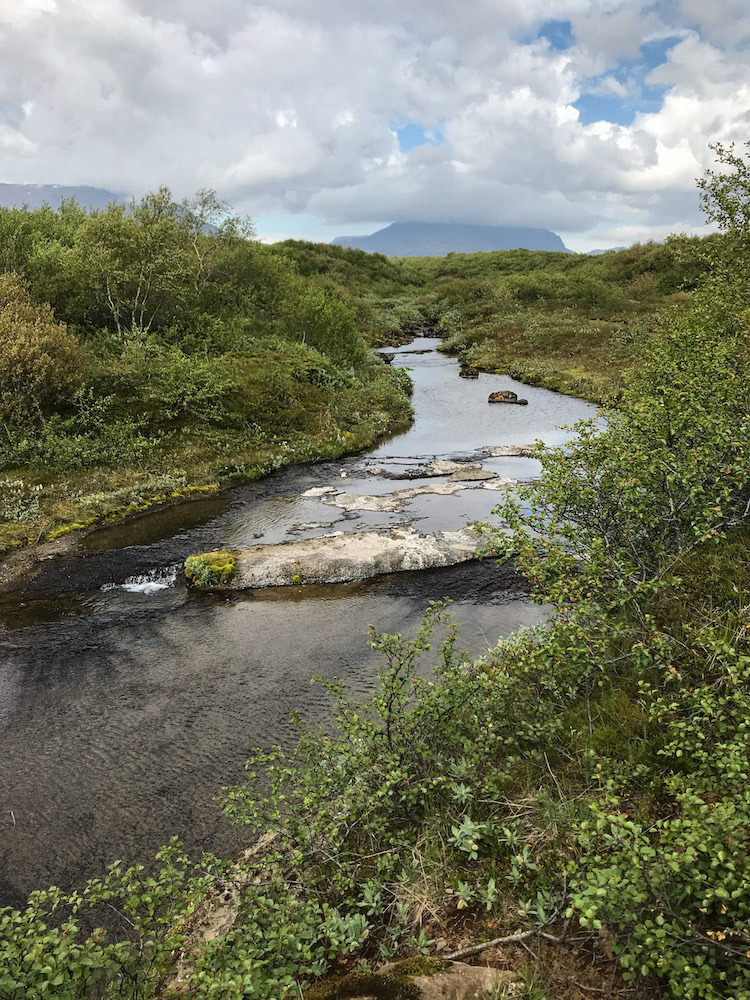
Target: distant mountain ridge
x,y
436,239
36,195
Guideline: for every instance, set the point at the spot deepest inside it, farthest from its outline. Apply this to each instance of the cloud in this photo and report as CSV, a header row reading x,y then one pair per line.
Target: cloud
x,y
295,106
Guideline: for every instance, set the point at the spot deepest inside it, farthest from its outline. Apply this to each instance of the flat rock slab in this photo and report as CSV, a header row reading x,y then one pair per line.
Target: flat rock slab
x,y
500,484
349,557
507,450
444,467
472,475
388,501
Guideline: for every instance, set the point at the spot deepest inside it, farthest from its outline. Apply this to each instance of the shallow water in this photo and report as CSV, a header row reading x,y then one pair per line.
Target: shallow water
x,y
127,702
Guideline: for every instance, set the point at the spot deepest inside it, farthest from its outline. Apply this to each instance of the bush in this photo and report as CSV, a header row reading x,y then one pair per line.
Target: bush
x,y
41,364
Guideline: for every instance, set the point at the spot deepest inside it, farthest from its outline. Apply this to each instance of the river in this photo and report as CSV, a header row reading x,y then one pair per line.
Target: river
x,y
127,701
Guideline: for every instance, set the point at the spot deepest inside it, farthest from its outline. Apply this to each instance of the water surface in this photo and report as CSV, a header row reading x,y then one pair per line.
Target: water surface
x,y
127,702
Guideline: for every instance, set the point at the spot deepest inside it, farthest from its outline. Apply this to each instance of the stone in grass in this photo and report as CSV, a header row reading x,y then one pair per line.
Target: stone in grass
x,y
418,979
210,569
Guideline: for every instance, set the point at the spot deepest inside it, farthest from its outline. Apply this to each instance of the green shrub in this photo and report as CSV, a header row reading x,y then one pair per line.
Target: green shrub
x,y
41,364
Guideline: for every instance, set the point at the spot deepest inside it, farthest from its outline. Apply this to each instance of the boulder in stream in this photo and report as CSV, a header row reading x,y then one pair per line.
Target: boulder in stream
x,y
506,396
348,557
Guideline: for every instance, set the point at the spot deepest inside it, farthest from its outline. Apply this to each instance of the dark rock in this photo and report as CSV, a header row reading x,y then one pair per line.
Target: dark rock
x,y
467,372
386,356
506,396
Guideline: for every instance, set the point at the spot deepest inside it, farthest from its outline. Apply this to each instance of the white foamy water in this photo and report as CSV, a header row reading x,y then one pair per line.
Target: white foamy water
x,y
147,583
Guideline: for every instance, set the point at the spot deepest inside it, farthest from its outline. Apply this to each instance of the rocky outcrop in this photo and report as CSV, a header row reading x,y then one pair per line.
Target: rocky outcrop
x,y
342,558
467,372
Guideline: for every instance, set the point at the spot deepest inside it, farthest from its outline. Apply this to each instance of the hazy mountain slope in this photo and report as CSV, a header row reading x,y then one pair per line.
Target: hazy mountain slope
x,y
436,239
36,195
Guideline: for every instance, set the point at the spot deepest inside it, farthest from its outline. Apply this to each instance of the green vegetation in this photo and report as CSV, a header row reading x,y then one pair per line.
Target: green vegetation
x,y
574,324
590,780
211,569
157,344
569,322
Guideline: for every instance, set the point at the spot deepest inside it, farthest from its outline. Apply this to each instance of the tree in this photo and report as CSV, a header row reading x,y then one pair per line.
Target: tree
x,y
725,199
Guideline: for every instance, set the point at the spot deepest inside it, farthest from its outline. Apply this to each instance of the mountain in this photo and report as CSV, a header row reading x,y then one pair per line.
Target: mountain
x,y
36,195
598,253
436,239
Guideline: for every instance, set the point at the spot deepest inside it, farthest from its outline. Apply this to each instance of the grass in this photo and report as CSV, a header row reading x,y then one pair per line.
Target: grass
x,y
576,351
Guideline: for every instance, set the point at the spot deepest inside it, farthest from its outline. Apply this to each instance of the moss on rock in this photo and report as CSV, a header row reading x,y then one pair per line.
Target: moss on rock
x,y
394,982
364,984
211,569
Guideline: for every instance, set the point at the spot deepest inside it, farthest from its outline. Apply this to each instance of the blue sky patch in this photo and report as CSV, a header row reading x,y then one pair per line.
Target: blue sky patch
x,y
410,136
640,97
559,34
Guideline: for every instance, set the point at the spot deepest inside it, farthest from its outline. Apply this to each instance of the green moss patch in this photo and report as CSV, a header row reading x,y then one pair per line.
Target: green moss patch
x,y
395,984
211,569
364,984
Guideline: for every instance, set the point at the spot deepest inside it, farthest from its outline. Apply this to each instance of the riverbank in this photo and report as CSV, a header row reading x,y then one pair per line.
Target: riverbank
x,y
578,352
49,507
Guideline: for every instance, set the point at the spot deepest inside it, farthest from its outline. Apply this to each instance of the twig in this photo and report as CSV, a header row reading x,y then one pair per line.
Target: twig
x,y
477,948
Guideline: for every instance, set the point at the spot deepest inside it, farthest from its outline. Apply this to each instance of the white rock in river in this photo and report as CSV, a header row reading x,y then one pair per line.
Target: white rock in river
x,y
319,491
390,501
507,450
349,557
476,474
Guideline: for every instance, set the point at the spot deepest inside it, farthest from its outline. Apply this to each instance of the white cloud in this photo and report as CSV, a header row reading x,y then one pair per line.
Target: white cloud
x,y
289,106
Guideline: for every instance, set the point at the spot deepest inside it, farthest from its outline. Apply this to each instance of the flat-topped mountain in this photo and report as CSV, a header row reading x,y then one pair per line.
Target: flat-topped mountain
x,y
36,195
436,239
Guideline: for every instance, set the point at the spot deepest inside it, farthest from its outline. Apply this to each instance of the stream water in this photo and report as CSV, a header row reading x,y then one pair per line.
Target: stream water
x,y
127,702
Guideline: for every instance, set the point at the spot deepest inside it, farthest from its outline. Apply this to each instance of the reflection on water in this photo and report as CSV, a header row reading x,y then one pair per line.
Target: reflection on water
x,y
156,525
126,703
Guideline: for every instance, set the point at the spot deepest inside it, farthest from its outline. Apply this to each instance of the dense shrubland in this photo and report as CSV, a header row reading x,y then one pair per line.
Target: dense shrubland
x,y
589,785
575,325
565,321
158,343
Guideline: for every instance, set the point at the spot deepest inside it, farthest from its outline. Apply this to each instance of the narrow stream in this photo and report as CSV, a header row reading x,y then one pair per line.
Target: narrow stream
x,y
127,702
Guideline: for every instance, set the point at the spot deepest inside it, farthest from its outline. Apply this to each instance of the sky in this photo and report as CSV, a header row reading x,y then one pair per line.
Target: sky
x,y
320,118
